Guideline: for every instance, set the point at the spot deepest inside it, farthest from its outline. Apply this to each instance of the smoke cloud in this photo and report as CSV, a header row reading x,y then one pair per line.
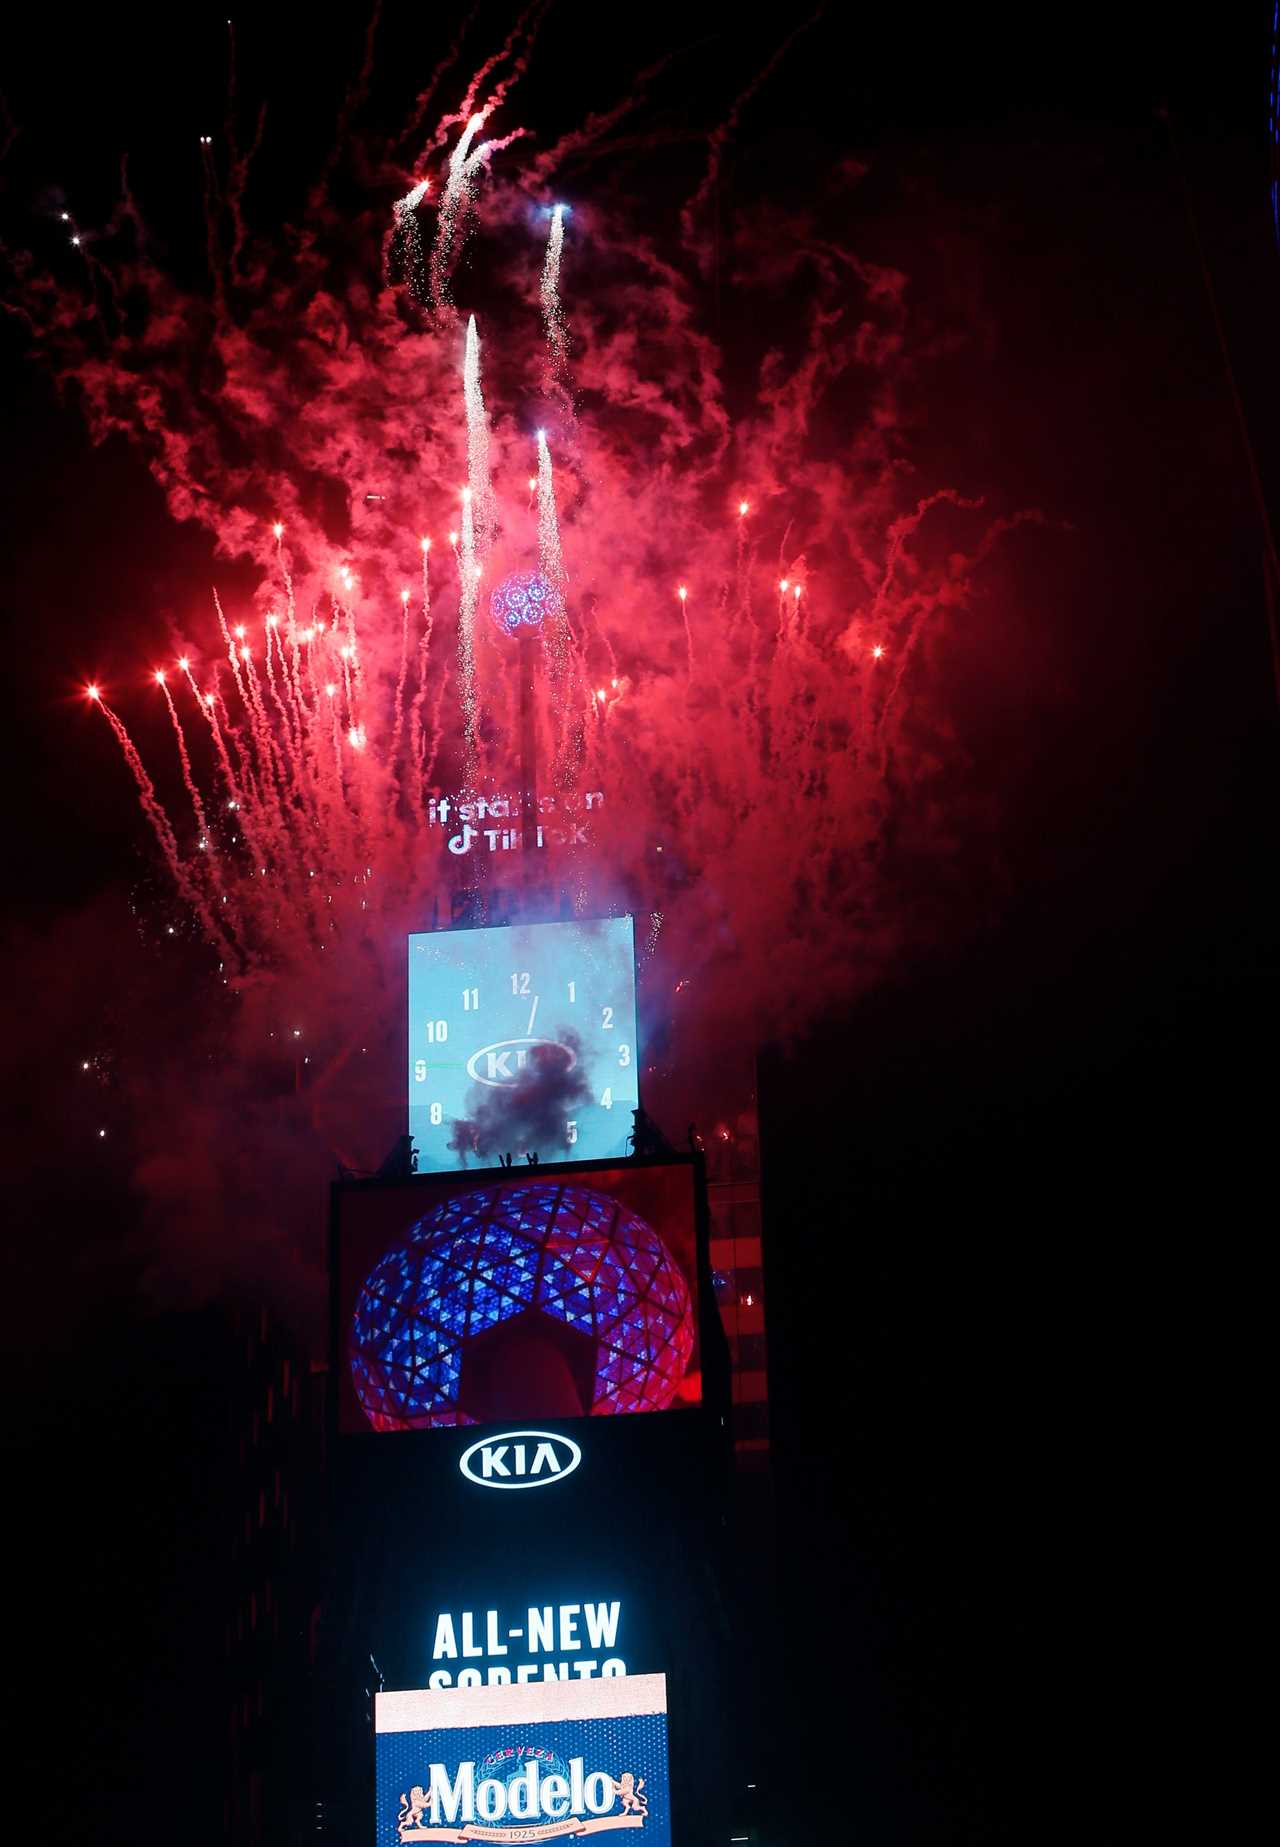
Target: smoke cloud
x,y
755,582
528,1116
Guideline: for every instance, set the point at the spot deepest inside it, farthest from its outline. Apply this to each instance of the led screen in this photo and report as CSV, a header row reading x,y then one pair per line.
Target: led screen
x,y
524,1763
522,1040
517,1295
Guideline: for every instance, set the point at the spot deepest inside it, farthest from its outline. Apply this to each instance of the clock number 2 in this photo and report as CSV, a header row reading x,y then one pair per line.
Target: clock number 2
x,y
606,1019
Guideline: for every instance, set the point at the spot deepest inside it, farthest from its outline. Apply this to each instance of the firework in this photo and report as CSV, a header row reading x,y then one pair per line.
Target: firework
x,y
735,605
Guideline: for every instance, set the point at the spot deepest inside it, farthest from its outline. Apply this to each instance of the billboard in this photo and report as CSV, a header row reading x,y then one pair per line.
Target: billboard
x,y
514,1296
522,1040
524,1763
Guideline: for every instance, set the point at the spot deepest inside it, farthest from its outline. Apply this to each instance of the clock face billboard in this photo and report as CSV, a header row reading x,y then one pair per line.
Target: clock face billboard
x,y
510,1297
522,1040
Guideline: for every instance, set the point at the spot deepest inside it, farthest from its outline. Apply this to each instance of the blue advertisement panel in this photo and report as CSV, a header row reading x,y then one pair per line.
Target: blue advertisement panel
x,y
522,1040
508,1298
541,1762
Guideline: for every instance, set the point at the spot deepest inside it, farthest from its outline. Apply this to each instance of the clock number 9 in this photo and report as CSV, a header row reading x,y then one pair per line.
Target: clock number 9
x,y
419,1070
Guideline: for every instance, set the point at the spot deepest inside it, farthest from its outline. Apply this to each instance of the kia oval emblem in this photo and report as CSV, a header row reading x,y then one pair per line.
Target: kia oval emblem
x,y
502,1064
520,1459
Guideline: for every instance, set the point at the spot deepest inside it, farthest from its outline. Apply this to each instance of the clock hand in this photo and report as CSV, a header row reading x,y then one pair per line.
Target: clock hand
x,y
533,1014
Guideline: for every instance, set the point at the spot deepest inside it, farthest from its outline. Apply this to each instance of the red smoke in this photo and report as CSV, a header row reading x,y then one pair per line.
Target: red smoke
x,y
770,772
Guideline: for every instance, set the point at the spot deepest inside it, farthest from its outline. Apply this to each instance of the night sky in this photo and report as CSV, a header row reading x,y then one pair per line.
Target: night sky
x,y
1004,1183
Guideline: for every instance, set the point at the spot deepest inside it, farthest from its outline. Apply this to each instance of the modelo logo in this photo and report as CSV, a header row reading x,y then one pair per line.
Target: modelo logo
x,y
502,1064
520,1459
555,1797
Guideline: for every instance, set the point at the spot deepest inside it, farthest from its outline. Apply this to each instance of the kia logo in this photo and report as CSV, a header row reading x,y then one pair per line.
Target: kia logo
x,y
502,1064
520,1459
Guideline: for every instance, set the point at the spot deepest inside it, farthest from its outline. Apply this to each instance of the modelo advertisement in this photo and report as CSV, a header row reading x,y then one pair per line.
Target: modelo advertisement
x,y
513,1763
